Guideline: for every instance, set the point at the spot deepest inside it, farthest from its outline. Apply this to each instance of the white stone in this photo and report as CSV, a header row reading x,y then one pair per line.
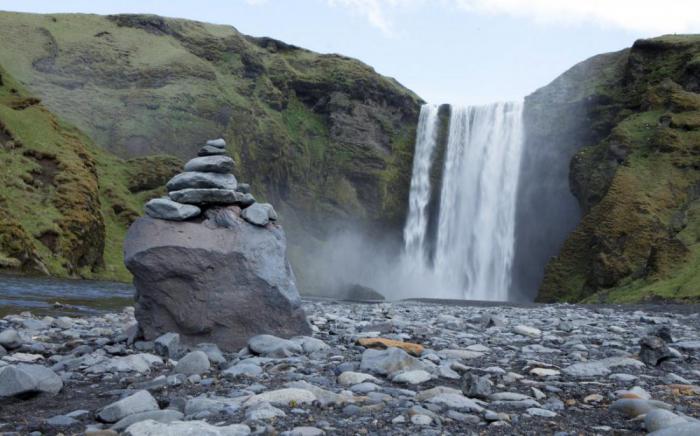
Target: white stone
x,y
282,397
348,378
527,331
412,377
188,428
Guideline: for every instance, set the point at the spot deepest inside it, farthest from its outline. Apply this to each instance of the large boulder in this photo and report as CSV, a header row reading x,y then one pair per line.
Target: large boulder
x,y
222,280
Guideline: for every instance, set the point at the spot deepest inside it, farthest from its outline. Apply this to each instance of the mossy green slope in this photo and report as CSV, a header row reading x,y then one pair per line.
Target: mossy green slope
x,y
324,137
65,204
636,176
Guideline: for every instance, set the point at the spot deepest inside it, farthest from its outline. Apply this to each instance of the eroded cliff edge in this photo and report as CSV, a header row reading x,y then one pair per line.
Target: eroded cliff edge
x,y
631,123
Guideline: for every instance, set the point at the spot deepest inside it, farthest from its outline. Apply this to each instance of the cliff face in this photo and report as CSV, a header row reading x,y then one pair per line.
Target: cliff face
x,y
324,136
631,120
64,203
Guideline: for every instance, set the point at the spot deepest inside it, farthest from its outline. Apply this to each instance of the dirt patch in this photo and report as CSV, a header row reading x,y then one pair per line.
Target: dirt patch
x,y
5,134
50,239
21,104
48,167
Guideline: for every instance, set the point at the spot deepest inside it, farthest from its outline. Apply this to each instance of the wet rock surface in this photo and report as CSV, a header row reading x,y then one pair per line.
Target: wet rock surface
x,y
582,374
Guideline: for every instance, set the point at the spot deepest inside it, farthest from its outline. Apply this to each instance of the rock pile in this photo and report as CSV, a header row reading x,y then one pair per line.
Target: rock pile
x,y
208,181
209,263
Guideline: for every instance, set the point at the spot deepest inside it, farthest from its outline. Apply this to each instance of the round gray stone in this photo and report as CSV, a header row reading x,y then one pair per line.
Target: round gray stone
x,y
141,401
206,196
219,143
195,362
166,209
201,180
210,164
10,339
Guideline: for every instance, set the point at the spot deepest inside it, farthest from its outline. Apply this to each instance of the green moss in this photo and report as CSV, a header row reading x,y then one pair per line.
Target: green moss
x,y
81,191
638,239
323,137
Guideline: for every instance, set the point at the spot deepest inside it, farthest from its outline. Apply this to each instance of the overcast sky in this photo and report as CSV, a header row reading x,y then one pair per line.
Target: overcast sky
x,y
454,51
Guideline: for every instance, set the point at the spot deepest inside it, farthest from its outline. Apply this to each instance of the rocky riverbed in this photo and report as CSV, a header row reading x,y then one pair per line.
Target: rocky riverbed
x,y
448,369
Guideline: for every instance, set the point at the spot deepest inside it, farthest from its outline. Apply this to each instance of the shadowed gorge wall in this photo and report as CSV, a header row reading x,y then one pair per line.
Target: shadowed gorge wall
x,y
630,120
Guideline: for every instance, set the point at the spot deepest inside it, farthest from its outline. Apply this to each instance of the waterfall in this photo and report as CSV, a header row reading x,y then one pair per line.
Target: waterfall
x,y
476,219
414,232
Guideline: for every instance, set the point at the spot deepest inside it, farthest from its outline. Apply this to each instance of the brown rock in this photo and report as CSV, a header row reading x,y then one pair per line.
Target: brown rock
x,y
382,343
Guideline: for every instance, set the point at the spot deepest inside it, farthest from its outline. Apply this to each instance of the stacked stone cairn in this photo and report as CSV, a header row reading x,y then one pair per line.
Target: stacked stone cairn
x,y
208,181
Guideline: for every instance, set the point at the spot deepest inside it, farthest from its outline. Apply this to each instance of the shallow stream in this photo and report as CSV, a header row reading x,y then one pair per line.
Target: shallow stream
x,y
55,297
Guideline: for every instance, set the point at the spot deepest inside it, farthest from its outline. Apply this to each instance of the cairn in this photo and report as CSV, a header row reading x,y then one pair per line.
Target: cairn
x,y
208,181
210,263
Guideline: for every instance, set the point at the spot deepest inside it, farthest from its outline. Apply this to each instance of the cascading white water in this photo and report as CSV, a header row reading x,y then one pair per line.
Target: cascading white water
x,y
476,223
414,232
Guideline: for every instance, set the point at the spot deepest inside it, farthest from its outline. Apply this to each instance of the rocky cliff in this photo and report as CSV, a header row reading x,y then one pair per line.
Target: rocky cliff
x,y
631,120
65,203
324,137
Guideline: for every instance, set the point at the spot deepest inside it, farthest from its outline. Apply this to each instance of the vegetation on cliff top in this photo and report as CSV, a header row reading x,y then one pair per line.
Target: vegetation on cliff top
x,y
637,180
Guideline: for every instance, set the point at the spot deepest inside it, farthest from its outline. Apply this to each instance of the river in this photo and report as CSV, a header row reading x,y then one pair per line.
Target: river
x,y
56,297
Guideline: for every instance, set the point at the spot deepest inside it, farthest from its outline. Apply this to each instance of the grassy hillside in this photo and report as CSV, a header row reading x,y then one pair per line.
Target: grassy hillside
x,y
636,175
324,137
64,203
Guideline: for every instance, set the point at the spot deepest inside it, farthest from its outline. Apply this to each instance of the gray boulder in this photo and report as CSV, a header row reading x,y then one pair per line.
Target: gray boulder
x,y
46,380
245,200
10,339
210,164
220,281
195,362
272,346
199,180
218,143
162,416
167,345
185,428
209,150
259,214
242,370
213,352
476,386
61,421
28,379
389,361
358,292
141,401
15,382
165,209
653,350
687,429
243,188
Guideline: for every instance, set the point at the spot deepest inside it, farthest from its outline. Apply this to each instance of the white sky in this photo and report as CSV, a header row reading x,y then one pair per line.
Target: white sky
x,y
456,51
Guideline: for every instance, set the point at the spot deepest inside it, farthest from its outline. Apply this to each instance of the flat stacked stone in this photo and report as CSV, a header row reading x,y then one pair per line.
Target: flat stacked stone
x,y
207,181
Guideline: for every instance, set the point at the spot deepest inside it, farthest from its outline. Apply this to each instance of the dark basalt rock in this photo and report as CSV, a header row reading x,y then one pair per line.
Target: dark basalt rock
x,y
654,350
222,280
